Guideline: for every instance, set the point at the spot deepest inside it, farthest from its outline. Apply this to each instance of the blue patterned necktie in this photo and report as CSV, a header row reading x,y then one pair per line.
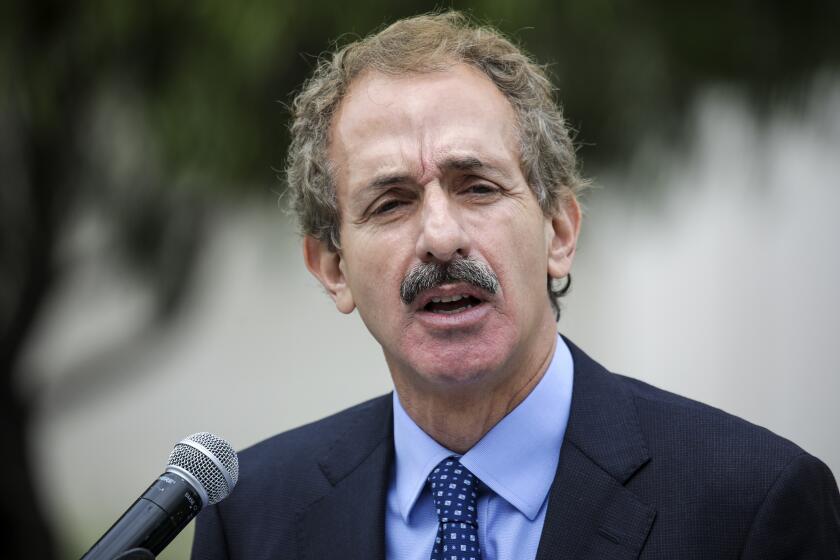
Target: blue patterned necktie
x,y
455,492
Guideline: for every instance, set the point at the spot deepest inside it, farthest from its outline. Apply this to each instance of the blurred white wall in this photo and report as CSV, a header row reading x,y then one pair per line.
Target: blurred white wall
x,y
726,289
720,286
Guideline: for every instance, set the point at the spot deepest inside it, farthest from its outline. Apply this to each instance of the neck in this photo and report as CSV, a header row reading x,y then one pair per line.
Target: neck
x,y
458,417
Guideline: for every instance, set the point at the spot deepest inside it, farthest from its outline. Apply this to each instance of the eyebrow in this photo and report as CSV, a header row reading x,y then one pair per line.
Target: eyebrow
x,y
465,163
383,181
376,186
455,163
471,163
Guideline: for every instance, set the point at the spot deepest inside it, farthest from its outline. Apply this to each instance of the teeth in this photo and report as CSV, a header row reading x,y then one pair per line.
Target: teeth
x,y
448,299
454,310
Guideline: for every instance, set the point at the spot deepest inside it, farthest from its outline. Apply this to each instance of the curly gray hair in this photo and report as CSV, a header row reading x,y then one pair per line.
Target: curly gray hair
x,y
428,43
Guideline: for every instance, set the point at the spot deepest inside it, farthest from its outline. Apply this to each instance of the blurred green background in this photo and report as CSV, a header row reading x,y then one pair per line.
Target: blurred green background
x,y
130,131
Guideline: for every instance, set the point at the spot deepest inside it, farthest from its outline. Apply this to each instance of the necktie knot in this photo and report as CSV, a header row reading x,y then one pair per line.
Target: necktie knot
x,y
455,493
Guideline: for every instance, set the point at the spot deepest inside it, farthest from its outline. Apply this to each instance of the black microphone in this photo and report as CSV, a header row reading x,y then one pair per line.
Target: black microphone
x,y
202,469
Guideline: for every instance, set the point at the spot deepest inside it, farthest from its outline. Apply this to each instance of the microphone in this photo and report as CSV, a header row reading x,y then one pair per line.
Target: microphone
x,y
202,470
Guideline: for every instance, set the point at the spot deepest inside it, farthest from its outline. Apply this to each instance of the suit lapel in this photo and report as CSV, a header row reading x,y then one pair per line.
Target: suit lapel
x,y
591,514
349,521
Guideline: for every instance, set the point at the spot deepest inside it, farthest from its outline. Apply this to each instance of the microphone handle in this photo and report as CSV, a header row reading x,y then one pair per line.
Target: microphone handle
x,y
151,522
136,554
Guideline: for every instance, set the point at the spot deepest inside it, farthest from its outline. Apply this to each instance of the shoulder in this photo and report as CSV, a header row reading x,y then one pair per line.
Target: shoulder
x,y
705,453
298,451
614,417
280,477
683,425
717,483
772,494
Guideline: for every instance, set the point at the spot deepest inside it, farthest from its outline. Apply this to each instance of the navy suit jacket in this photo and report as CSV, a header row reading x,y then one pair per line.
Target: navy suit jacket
x,y
643,474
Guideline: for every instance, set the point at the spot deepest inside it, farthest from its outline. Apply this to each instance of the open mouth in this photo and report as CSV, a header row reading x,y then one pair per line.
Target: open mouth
x,y
448,305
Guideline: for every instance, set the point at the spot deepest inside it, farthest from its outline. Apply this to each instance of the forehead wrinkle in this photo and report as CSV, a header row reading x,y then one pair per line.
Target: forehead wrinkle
x,y
381,164
473,160
425,138
405,136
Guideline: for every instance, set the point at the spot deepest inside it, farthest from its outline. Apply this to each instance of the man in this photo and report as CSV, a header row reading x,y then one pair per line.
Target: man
x,y
436,186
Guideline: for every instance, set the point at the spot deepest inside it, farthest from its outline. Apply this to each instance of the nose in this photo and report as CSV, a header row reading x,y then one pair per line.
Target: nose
x,y
442,236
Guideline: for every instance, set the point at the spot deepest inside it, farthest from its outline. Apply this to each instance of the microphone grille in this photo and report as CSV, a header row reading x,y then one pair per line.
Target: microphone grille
x,y
211,460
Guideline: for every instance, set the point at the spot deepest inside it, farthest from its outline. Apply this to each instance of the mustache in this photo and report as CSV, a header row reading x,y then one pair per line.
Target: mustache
x,y
425,276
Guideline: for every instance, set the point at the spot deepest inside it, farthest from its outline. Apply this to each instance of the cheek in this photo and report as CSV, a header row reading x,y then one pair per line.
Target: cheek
x,y
517,251
373,274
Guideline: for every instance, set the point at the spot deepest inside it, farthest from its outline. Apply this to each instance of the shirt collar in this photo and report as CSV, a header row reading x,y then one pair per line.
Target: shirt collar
x,y
534,429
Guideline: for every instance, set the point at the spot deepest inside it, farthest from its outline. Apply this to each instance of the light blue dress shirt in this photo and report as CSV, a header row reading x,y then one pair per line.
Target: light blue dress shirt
x,y
516,460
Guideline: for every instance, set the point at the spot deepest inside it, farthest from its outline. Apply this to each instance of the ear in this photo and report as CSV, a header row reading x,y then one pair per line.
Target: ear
x,y
328,267
562,231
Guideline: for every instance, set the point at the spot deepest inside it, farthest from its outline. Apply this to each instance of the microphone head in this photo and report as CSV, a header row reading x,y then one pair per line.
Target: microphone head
x,y
207,461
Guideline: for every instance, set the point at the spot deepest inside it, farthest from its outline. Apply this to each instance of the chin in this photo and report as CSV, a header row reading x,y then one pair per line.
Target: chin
x,y
448,362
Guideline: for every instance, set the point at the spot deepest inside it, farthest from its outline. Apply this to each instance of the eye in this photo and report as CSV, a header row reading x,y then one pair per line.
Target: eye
x,y
387,206
481,189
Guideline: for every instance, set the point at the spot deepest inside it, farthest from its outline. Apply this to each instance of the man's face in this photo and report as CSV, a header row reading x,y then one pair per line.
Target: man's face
x,y
427,170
